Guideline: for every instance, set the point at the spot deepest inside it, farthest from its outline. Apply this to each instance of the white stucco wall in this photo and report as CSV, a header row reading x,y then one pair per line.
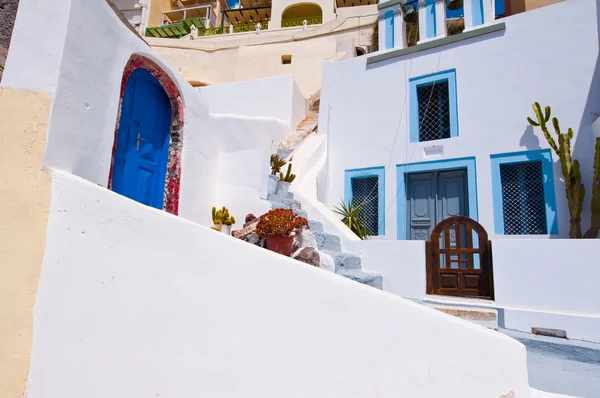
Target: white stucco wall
x,y
134,302
85,74
499,76
245,56
277,97
34,58
537,283
550,284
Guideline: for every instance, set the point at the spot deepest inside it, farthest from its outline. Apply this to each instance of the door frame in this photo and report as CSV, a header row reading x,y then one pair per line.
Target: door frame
x,y
438,165
173,178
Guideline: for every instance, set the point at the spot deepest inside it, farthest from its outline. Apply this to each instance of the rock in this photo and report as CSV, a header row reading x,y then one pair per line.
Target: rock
x,y
256,240
307,255
305,239
327,262
249,219
247,230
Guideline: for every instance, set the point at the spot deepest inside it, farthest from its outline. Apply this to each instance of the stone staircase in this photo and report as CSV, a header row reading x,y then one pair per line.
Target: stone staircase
x,y
329,246
482,316
308,125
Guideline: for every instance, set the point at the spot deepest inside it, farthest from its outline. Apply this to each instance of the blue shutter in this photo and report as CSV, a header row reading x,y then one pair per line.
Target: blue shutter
x,y
365,192
389,30
523,201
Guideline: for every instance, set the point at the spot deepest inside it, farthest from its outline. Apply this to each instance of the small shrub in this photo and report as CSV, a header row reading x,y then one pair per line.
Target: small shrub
x,y
280,222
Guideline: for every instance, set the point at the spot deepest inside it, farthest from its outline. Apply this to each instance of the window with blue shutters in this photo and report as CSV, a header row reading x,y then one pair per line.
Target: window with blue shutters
x,y
433,107
366,187
365,193
523,202
523,193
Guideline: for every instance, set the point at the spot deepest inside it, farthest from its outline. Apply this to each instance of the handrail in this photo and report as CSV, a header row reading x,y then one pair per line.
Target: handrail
x,y
183,27
287,23
175,30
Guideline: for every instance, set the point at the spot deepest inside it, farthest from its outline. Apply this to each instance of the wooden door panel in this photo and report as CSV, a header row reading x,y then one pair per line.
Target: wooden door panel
x,y
451,267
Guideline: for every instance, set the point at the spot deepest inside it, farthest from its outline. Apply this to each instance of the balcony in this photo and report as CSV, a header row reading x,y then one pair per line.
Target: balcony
x,y
288,23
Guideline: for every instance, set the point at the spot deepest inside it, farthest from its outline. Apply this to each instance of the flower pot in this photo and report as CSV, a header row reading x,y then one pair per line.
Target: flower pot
x,y
283,188
226,229
280,244
272,188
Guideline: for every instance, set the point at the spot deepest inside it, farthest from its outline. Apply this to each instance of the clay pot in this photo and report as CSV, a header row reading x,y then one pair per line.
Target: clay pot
x,y
280,244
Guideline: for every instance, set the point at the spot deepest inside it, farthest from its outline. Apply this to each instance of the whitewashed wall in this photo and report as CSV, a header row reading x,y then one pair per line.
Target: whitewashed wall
x,y
84,69
537,283
498,77
549,284
277,97
134,302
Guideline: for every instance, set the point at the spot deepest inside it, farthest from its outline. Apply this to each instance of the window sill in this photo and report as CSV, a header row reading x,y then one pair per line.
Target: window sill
x,y
434,43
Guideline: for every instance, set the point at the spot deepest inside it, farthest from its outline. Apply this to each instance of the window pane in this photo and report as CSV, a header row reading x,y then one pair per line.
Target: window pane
x,y
434,111
365,193
523,202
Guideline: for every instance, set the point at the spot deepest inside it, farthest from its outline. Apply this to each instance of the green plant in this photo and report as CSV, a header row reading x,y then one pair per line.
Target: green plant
x,y
574,187
353,216
280,222
221,217
289,177
276,164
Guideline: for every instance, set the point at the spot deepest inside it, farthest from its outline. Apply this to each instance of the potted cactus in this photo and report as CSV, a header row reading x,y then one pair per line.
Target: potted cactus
x,y
283,185
278,228
276,164
222,220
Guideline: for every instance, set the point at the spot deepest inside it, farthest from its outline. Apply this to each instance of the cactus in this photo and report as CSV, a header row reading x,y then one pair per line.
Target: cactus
x,y
289,177
276,164
595,203
221,217
574,188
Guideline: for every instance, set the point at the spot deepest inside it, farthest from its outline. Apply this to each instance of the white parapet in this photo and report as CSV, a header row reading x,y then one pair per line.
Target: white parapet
x,y
440,18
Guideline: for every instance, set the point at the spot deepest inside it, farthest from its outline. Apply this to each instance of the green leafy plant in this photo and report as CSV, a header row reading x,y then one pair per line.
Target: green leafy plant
x,y
276,164
280,222
289,177
574,187
221,217
353,216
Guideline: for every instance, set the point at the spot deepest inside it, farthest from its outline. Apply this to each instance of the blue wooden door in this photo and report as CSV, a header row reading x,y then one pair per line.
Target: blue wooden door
x,y
140,163
433,197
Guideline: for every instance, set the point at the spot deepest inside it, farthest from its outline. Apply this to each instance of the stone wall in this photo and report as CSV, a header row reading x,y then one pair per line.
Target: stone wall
x,y
8,12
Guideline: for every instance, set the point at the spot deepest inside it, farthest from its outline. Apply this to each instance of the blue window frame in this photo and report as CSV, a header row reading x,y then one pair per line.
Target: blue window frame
x,y
367,186
433,107
523,193
402,170
430,19
389,30
477,12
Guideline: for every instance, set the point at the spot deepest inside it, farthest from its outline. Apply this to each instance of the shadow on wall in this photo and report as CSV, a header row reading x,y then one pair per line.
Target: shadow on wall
x,y
529,140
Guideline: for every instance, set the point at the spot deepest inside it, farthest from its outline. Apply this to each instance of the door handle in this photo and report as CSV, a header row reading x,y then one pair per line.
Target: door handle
x,y
137,143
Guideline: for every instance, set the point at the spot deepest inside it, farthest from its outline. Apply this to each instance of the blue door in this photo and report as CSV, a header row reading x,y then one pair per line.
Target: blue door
x,y
433,197
140,163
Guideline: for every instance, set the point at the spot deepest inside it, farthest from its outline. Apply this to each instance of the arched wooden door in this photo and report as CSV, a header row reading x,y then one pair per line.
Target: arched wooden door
x,y
140,160
459,259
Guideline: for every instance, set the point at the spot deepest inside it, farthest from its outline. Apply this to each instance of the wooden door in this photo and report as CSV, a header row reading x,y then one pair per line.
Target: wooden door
x,y
140,162
459,259
433,197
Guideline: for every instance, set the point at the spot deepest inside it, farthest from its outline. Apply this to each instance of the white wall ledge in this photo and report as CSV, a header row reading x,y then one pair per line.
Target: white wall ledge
x,y
434,43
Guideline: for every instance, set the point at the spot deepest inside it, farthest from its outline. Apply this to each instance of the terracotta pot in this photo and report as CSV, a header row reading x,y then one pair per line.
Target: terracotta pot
x,y
280,244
